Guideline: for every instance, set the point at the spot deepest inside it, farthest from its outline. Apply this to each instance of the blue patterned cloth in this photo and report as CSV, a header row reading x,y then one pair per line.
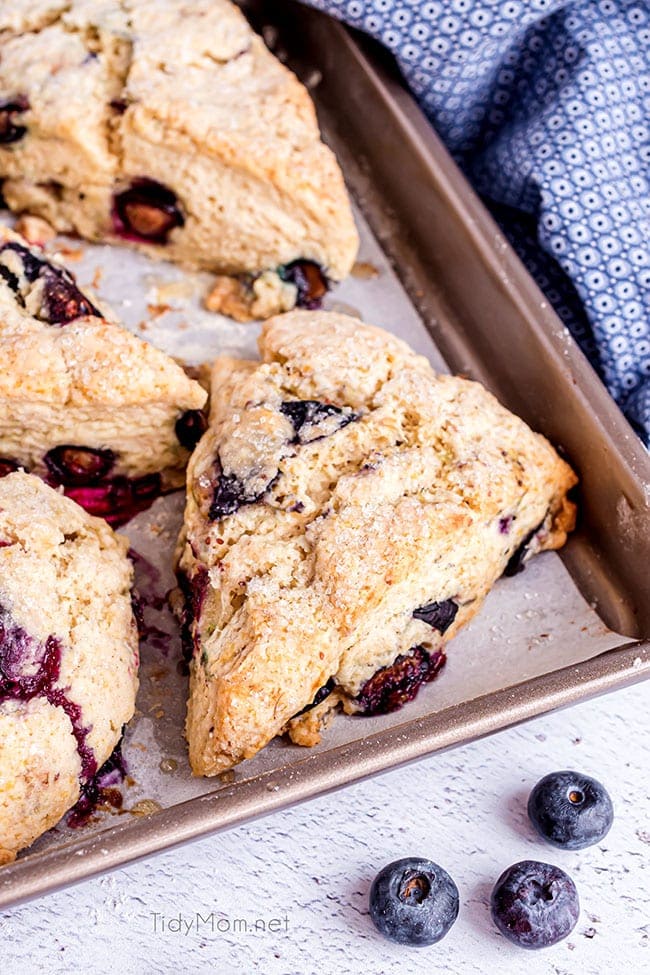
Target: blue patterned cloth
x,y
546,106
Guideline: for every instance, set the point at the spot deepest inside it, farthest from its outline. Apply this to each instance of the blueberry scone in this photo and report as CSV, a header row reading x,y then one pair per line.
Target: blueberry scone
x,y
348,511
170,126
84,403
68,654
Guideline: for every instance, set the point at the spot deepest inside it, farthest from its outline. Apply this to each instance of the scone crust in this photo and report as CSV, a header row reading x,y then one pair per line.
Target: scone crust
x,y
308,548
88,383
65,590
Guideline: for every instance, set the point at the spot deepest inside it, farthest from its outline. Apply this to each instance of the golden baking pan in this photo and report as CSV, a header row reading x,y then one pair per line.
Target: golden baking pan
x,y
568,628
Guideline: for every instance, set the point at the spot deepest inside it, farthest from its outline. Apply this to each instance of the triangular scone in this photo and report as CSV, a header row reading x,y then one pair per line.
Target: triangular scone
x,y
68,654
170,126
84,403
348,510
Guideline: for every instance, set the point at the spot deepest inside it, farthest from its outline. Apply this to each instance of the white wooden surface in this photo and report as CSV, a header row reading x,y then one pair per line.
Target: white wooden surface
x,y
310,868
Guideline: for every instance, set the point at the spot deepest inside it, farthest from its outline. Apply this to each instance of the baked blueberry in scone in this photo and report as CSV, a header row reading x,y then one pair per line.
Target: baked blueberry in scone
x,y
170,127
68,654
84,403
348,510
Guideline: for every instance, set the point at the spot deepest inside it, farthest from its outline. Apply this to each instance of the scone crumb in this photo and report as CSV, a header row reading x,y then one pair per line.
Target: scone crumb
x,y
228,297
266,296
69,253
34,229
145,807
159,309
364,270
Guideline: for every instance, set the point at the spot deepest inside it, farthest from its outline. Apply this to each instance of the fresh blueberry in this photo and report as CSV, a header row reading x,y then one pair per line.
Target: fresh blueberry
x,y
79,466
413,902
440,616
570,810
10,131
190,427
391,687
534,904
147,211
310,281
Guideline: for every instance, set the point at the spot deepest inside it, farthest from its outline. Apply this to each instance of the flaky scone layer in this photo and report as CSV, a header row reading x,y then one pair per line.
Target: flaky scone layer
x,y
346,508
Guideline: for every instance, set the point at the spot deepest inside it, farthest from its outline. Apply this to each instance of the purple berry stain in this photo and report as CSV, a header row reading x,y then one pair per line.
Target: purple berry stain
x,y
30,669
146,211
100,789
393,686
194,589
118,499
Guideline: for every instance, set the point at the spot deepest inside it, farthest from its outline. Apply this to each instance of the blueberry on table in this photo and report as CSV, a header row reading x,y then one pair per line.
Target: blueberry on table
x,y
534,904
413,902
570,810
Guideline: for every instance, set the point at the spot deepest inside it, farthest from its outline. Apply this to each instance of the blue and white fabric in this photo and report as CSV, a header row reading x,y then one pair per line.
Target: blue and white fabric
x,y
546,106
